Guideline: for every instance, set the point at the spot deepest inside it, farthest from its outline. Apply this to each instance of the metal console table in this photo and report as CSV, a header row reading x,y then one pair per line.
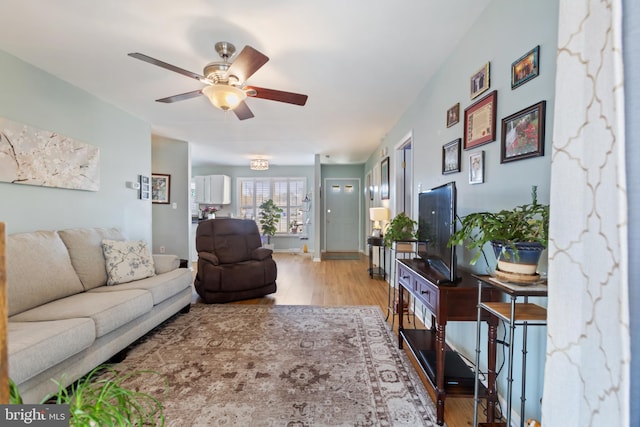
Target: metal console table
x,y
380,269
515,313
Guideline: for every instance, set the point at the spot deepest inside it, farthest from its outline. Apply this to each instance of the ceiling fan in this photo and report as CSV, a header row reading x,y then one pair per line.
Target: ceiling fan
x,y
226,81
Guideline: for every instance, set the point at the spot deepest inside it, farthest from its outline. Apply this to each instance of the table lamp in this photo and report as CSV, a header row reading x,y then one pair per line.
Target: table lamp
x,y
376,215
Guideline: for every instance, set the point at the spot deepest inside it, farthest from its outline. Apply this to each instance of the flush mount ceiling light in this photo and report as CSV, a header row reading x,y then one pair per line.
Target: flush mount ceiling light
x,y
225,97
259,164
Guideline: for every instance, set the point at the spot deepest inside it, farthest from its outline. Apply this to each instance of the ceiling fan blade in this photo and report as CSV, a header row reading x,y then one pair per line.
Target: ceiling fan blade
x,y
276,95
167,66
181,97
246,63
242,111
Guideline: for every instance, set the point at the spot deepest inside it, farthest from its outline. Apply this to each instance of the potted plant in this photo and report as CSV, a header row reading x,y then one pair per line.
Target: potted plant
x,y
400,228
101,399
269,217
518,237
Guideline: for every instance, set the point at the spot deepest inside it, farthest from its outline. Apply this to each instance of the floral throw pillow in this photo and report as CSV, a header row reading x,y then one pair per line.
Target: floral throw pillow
x,y
127,261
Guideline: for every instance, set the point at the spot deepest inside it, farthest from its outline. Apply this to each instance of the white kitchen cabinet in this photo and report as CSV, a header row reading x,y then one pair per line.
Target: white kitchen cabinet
x,y
213,189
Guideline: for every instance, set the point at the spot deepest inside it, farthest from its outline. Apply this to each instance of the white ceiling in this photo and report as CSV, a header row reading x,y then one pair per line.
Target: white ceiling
x,y
362,63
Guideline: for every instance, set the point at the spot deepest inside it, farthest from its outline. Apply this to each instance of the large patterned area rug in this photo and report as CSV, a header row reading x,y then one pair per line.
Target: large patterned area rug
x,y
253,365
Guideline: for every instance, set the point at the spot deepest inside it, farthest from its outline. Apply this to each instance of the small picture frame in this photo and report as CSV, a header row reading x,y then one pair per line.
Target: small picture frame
x,y
144,193
160,188
384,179
453,115
523,134
525,68
451,157
476,167
480,81
480,121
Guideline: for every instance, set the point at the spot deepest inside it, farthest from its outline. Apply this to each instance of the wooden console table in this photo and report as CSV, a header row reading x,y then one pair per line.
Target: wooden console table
x,y
446,302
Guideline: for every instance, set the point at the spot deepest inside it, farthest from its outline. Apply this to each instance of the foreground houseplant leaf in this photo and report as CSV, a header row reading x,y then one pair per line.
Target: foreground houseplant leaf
x,y
101,398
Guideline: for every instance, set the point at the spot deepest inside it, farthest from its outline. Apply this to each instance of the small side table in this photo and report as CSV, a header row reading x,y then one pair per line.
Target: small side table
x,y
378,271
515,313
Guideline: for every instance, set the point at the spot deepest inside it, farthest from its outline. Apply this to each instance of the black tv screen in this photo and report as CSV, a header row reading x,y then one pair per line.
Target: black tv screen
x,y
436,224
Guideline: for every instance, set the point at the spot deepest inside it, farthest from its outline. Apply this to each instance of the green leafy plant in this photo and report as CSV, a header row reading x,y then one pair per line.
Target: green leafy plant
x,y
270,215
524,223
401,227
101,399
14,394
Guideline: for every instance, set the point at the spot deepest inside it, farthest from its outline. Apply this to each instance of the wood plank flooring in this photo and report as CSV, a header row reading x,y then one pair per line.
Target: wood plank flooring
x,y
344,282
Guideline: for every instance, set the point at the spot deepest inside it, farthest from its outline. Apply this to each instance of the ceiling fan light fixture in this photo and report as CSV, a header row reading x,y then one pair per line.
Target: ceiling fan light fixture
x,y
259,164
225,97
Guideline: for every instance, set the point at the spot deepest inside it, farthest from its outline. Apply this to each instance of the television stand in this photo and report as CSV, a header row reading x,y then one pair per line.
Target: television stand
x,y
444,369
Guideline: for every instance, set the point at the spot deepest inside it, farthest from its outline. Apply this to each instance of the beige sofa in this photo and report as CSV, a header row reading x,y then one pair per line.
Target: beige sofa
x,y
64,319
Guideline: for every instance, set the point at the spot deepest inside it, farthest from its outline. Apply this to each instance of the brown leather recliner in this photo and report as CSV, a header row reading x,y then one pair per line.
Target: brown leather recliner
x,y
232,264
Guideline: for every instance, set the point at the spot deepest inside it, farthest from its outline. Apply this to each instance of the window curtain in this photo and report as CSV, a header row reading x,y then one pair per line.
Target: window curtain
x,y
587,366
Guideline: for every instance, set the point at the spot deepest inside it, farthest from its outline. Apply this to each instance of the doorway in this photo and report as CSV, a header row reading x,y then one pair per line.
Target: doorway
x,y
342,212
404,176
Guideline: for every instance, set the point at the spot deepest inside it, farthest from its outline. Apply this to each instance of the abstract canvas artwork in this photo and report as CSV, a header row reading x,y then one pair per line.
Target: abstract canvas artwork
x,y
38,157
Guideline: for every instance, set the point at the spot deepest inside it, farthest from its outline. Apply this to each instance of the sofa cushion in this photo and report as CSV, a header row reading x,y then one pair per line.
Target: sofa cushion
x,y
36,346
108,311
165,262
39,270
127,261
85,250
162,286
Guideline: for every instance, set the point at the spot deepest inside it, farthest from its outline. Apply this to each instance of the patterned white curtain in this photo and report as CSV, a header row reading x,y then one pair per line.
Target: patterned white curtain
x,y
587,368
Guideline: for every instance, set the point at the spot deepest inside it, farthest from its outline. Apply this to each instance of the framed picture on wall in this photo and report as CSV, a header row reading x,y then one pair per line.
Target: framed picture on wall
x,y
160,188
476,168
480,121
523,134
480,81
453,115
525,68
369,188
384,179
451,157
144,193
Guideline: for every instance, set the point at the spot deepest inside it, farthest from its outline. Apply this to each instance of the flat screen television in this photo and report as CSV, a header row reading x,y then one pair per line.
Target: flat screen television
x,y
436,224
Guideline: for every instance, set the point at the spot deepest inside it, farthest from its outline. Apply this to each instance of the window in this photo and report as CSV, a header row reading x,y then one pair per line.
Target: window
x,y
287,193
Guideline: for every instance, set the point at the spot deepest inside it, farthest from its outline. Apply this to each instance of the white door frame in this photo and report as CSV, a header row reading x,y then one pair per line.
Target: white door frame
x,y
401,177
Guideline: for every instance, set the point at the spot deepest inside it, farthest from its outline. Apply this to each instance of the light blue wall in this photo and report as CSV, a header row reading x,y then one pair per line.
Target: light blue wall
x,y
33,97
172,222
506,30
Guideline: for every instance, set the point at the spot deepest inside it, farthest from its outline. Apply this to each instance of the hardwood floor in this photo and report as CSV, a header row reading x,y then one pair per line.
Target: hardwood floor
x,y
344,282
